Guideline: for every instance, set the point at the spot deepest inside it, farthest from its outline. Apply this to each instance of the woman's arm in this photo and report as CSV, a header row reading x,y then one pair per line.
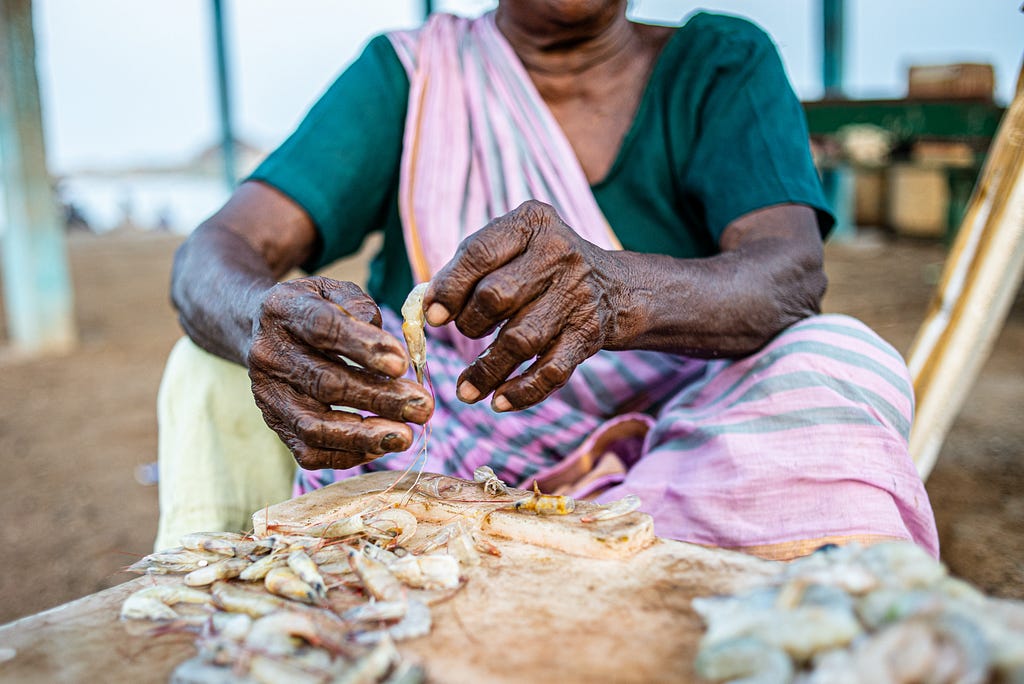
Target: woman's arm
x,y
561,299
291,335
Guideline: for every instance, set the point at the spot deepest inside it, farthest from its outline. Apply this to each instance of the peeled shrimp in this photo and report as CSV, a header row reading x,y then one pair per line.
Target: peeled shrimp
x,y
413,323
284,582
154,603
615,509
303,566
236,599
224,569
223,543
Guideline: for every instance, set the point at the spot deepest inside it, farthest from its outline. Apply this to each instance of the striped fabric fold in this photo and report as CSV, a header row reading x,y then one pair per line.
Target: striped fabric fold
x,y
479,141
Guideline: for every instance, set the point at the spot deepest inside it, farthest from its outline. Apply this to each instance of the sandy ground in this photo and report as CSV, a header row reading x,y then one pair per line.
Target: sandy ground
x,y
74,430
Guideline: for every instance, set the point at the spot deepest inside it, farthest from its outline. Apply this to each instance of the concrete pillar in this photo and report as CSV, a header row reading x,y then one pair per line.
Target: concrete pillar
x,y
37,287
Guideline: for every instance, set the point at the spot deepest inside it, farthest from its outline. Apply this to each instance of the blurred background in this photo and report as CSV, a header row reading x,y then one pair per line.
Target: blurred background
x,y
902,101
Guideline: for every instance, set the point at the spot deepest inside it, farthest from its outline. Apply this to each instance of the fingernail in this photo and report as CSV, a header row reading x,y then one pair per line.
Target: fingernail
x,y
467,392
500,403
392,442
437,314
413,410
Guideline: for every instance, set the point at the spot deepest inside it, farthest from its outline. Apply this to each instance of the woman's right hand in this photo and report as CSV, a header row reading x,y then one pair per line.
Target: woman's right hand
x,y
301,329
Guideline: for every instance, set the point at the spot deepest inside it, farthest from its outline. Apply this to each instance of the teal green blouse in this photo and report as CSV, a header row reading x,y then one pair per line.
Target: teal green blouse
x,y
718,133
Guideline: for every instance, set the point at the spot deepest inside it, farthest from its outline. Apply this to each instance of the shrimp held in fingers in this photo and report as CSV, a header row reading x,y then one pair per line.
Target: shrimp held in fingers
x,y
413,323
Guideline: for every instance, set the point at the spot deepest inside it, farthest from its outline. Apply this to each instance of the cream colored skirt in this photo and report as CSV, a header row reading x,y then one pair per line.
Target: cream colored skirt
x,y
218,460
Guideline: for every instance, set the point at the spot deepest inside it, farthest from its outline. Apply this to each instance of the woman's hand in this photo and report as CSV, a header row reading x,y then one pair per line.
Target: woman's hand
x,y
562,297
302,328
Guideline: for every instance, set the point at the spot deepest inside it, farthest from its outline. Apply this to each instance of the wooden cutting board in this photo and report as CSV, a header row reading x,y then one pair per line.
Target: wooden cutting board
x,y
566,601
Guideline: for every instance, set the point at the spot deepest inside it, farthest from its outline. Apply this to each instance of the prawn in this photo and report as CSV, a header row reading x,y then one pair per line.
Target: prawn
x,y
283,581
545,504
154,603
224,569
491,483
615,509
413,325
303,566
236,599
174,561
222,543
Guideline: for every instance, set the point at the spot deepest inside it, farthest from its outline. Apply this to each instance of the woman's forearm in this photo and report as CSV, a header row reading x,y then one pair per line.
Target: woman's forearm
x,y
728,305
217,283
222,272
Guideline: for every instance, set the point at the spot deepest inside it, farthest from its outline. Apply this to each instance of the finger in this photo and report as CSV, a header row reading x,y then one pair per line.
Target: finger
x,y
330,381
491,247
352,300
550,372
501,293
331,429
323,438
324,326
312,458
522,338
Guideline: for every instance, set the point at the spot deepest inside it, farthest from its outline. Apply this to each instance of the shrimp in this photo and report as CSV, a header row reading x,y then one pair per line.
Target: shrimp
x,y
394,524
491,484
284,582
222,543
463,547
439,571
274,634
376,611
751,659
625,505
306,569
373,666
154,603
271,670
413,323
377,580
350,526
545,504
415,622
236,599
174,561
259,569
224,569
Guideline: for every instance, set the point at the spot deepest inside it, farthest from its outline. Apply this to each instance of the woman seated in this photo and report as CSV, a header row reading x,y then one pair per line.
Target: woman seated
x,y
622,230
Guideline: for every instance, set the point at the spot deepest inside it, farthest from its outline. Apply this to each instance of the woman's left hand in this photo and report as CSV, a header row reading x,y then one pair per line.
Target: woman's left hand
x,y
560,297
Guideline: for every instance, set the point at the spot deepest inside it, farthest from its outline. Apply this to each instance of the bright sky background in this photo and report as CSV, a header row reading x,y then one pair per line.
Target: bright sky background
x,y
127,82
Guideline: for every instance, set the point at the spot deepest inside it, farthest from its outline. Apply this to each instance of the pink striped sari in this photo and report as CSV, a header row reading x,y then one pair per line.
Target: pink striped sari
x,y
797,446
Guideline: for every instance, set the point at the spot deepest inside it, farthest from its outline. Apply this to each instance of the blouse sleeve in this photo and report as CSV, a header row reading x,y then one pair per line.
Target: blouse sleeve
x,y
752,148
341,164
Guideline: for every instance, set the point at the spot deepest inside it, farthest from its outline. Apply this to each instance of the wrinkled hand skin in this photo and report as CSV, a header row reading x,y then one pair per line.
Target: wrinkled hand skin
x,y
562,298
301,328
559,299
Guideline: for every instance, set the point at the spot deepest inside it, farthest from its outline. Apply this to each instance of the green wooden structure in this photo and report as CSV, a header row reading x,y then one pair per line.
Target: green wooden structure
x,y
37,287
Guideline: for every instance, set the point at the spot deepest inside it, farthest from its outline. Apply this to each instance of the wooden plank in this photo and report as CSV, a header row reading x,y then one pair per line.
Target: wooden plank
x,y
982,275
537,613
85,641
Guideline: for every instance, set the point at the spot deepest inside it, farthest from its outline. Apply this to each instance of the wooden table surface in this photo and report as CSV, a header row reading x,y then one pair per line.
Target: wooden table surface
x,y
537,613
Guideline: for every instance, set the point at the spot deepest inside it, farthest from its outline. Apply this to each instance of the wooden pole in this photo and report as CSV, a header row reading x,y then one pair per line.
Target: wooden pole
x,y
37,288
227,134
980,280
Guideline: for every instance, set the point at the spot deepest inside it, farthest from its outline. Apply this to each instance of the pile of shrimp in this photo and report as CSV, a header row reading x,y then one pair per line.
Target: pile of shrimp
x,y
322,603
853,615
327,602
